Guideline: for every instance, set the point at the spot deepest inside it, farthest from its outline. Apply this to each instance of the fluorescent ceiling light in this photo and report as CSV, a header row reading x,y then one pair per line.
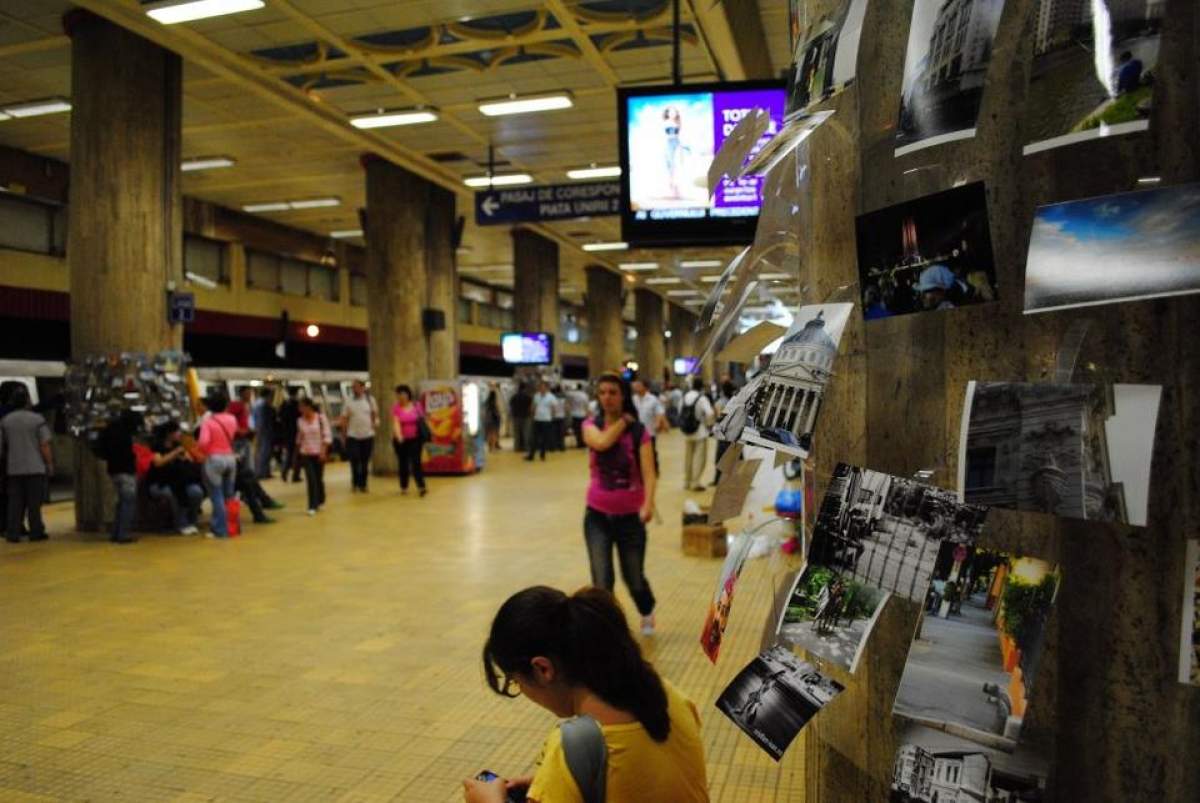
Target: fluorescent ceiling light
x,y
506,180
342,234
769,276
203,281
683,292
1150,180
4,116
583,173
171,12
387,119
531,103
274,206
206,163
605,246
664,280
701,263
638,266
35,108
710,279
314,203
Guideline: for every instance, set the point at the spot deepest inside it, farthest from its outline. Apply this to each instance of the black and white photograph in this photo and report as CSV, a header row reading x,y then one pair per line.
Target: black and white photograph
x,y
973,664
886,531
1071,450
826,56
945,67
1189,637
933,766
782,414
1114,248
830,615
1094,68
931,253
774,697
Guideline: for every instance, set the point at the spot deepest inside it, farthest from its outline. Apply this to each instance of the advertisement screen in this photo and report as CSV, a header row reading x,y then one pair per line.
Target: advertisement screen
x,y
527,348
686,365
668,137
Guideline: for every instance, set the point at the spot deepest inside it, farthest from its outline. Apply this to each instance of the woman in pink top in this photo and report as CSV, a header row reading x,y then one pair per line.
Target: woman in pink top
x,y
313,438
620,497
406,438
217,431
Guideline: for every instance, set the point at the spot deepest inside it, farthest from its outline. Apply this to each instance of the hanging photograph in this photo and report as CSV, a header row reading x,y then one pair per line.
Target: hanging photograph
x,y
949,50
1124,247
934,765
1189,639
1076,451
782,414
829,615
774,697
886,531
718,610
1094,65
933,253
825,56
972,666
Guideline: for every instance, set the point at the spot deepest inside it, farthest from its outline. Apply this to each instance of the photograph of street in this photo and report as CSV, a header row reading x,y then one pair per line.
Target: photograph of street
x,y
1076,451
973,663
931,253
886,531
718,610
1189,637
826,56
949,50
782,414
1114,248
1094,65
774,697
829,615
933,766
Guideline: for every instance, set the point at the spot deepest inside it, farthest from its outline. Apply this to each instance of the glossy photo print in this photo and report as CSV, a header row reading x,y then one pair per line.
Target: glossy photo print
x,y
825,59
718,610
829,614
1094,65
945,67
1124,247
929,254
1075,451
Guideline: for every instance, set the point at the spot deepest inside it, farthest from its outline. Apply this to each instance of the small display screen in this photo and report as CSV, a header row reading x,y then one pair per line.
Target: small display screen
x,y
685,365
527,348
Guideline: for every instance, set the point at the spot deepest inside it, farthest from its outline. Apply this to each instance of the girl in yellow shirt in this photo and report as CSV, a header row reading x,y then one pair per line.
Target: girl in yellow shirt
x,y
574,655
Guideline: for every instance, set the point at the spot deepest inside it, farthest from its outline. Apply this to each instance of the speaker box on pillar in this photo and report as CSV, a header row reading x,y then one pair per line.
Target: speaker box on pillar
x,y
434,320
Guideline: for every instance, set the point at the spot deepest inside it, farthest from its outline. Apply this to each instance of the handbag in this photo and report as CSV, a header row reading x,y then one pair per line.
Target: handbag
x,y
423,433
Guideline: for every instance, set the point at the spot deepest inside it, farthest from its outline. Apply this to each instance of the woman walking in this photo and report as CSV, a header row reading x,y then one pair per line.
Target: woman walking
x,y
407,416
620,496
217,432
313,438
491,417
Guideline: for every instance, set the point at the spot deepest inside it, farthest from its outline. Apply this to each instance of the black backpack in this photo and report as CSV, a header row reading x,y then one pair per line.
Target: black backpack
x,y
689,422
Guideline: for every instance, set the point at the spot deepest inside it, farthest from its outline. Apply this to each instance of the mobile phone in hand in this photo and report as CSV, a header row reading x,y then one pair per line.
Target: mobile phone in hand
x,y
513,795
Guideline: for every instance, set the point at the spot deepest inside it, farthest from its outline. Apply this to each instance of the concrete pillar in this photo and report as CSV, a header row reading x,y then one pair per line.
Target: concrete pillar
x,y
651,345
126,211
606,340
535,284
410,265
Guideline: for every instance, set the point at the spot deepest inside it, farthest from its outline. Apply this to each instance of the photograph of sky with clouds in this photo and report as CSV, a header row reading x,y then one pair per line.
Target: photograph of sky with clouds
x,y
1115,248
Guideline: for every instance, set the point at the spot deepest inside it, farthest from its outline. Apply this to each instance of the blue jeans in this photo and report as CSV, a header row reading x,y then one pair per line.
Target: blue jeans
x,y
603,531
185,514
126,488
220,471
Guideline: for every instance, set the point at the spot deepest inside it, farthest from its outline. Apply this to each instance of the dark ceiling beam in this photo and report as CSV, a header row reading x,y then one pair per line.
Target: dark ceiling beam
x,y
734,33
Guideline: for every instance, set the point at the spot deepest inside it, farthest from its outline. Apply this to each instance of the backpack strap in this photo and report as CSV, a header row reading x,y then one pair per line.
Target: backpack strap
x,y
587,756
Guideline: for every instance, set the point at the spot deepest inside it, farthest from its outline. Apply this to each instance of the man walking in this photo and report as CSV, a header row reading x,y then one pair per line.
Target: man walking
x,y
289,414
651,415
694,420
577,406
360,419
25,441
520,408
543,421
262,417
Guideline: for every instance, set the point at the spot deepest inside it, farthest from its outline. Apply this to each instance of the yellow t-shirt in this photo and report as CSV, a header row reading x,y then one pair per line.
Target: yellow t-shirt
x,y
639,768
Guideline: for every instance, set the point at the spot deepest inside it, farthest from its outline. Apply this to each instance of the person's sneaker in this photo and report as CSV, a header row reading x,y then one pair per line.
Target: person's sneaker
x,y
12,540
648,625
422,492
39,537
211,534
312,511
265,520
124,540
274,505
404,492
191,529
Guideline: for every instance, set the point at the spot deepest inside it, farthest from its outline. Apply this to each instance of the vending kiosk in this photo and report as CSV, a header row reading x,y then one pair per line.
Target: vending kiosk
x,y
453,424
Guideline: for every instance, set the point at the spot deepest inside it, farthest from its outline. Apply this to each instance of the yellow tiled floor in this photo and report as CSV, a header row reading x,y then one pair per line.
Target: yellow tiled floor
x,y
335,657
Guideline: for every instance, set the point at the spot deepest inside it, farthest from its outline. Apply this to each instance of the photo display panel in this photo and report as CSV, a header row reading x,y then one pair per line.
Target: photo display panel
x,y
668,138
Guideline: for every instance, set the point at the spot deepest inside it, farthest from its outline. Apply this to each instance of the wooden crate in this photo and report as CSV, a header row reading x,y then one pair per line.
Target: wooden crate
x,y
704,540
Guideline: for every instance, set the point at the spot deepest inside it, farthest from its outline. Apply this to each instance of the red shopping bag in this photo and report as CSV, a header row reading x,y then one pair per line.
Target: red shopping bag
x,y
233,509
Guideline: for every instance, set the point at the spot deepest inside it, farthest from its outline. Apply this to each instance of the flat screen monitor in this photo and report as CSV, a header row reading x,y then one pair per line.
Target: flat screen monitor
x,y
668,136
527,348
685,365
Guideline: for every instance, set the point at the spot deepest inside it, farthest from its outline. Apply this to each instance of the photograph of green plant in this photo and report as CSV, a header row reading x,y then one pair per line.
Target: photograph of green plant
x,y
829,614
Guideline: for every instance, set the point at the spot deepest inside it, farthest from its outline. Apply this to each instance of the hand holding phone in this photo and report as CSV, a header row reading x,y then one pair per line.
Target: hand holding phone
x,y
514,794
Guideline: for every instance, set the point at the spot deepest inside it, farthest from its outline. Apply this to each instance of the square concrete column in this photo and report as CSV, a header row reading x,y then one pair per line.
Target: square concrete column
x,y
651,344
535,284
606,329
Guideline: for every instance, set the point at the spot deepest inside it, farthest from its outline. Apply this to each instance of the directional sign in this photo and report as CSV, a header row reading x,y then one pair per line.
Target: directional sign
x,y
497,207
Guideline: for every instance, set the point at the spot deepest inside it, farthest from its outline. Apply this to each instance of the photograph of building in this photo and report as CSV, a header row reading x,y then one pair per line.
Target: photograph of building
x,y
783,411
1114,248
1094,63
1078,451
774,697
887,531
830,615
931,253
826,56
949,50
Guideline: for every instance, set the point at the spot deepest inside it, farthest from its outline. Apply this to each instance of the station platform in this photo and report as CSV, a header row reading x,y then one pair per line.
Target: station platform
x,y
335,657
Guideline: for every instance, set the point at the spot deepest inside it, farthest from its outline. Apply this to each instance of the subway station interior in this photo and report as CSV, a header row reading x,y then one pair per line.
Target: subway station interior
x,y
395,393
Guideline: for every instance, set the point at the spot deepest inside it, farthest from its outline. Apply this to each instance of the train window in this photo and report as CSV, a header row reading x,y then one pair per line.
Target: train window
x,y
475,292
293,277
262,270
26,225
464,310
206,258
322,282
358,290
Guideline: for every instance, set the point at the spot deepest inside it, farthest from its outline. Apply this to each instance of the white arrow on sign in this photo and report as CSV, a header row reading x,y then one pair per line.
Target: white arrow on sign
x,y
490,205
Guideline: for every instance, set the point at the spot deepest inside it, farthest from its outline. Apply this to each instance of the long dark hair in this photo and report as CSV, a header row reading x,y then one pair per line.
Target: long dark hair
x,y
588,640
626,392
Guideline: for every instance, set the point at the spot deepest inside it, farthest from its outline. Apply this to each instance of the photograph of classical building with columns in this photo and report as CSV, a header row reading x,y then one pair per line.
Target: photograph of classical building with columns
x,y
782,414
